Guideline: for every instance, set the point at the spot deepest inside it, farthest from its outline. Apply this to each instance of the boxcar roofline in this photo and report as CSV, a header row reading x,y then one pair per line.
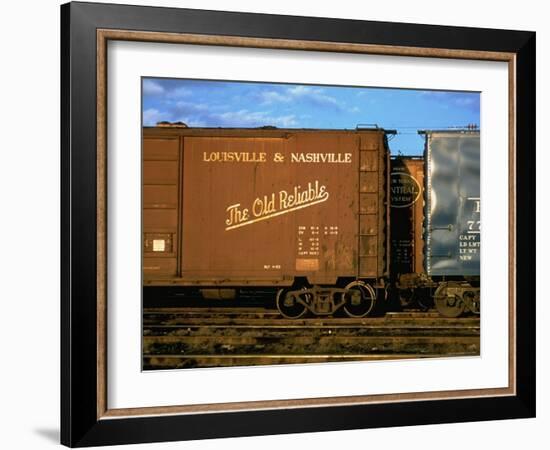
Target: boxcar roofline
x,y
450,131
165,131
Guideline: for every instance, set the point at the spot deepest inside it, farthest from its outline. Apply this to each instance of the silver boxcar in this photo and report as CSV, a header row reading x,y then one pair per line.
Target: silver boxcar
x,y
452,203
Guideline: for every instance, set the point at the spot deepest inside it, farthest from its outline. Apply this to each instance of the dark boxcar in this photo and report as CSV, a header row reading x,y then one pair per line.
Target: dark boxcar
x,y
264,207
452,206
407,215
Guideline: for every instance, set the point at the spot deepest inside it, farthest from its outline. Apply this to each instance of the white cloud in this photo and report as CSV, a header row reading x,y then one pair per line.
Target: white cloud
x,y
306,93
246,118
181,92
310,94
190,121
465,101
155,89
189,107
201,115
314,95
151,87
284,121
269,97
300,91
151,116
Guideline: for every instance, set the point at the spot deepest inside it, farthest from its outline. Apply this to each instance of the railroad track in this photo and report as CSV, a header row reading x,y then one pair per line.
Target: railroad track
x,y
211,337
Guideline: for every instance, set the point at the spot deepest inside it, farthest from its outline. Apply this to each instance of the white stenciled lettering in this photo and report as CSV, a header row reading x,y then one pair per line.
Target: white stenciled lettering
x,y
297,196
246,157
261,157
276,204
236,215
331,158
263,206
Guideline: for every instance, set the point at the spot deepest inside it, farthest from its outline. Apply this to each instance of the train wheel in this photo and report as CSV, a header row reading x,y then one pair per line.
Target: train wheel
x,y
448,305
361,299
288,304
406,297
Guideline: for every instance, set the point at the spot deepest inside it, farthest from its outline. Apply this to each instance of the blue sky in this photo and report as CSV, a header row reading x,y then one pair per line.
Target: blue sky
x,y
204,103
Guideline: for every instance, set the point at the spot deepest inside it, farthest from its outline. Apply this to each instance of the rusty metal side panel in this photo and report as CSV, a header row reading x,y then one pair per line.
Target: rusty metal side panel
x,y
160,202
373,217
407,214
259,210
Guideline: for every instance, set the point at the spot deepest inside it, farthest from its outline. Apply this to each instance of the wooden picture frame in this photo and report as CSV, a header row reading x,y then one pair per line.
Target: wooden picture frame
x,y
86,418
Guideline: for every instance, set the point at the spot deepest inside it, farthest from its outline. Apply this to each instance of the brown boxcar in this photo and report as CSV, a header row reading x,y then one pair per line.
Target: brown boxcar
x,y
265,207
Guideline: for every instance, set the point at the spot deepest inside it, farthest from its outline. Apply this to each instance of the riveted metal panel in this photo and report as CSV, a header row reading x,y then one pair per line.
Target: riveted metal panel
x,y
160,196
284,209
368,224
160,218
452,211
160,149
159,267
160,172
368,266
161,209
369,203
368,245
368,181
369,161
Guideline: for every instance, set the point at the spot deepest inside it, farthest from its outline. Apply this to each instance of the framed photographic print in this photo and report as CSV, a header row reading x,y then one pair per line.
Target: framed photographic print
x,y
272,224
